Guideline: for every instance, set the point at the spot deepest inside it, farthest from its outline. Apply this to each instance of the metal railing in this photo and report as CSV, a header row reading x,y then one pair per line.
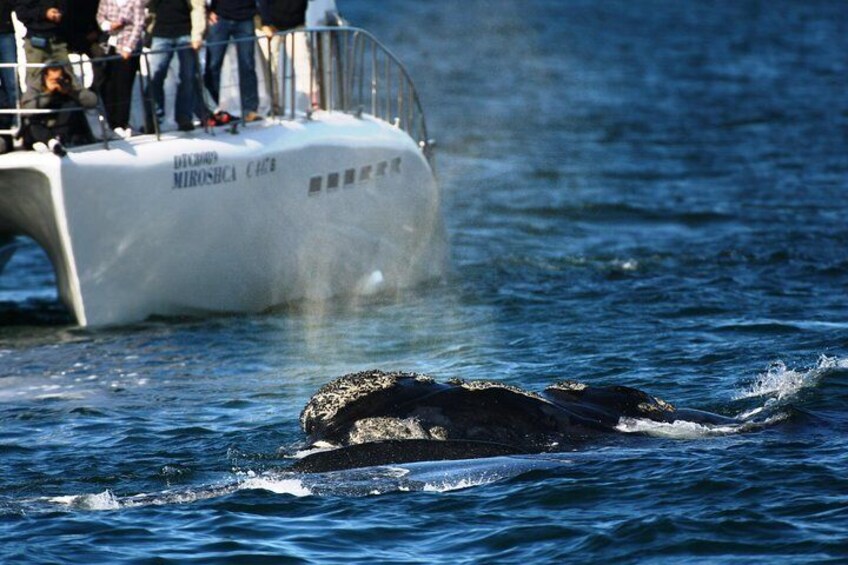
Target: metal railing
x,y
357,74
333,69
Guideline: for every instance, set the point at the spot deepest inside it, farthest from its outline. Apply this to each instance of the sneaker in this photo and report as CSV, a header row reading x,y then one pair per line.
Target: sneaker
x,y
123,133
56,147
40,147
252,117
222,118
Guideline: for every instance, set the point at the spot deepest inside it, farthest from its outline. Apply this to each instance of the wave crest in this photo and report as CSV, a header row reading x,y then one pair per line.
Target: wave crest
x,y
780,384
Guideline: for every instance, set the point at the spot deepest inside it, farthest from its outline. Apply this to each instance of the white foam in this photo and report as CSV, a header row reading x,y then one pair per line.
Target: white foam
x,y
102,501
289,486
448,486
780,382
371,284
317,447
60,396
396,472
108,501
675,430
626,265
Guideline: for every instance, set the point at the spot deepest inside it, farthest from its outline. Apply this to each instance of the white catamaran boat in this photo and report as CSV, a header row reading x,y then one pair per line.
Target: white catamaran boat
x,y
334,193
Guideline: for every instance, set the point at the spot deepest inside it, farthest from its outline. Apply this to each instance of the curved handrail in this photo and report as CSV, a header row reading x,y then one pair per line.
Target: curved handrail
x,y
391,93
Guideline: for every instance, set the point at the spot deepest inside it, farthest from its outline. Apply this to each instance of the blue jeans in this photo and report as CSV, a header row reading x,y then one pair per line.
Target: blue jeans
x,y
8,82
222,31
188,68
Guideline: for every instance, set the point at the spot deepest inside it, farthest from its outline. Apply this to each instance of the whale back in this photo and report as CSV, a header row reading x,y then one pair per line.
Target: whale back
x,y
604,406
376,406
376,418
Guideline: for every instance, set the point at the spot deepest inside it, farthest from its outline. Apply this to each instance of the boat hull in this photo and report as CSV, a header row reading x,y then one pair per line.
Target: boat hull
x,y
203,223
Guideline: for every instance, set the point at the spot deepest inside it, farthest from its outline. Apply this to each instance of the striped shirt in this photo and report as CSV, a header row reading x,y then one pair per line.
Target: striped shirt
x,y
128,12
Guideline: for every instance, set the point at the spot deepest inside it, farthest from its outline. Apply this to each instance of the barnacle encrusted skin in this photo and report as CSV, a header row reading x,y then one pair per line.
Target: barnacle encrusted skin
x,y
568,386
382,428
665,406
332,397
489,385
438,432
656,406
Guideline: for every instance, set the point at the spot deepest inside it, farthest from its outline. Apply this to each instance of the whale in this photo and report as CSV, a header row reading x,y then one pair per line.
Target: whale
x,y
374,418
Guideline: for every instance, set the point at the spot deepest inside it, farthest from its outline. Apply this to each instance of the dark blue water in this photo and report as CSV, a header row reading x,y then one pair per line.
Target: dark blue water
x,y
642,193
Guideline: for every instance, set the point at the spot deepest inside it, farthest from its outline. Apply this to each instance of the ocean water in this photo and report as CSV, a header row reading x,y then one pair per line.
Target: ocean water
x,y
646,193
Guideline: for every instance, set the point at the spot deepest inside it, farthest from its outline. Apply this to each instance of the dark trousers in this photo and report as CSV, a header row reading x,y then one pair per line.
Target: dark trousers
x,y
55,50
8,78
116,90
160,61
94,51
69,127
248,85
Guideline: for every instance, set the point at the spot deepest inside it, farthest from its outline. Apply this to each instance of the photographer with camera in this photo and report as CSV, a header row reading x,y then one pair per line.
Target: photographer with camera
x,y
56,90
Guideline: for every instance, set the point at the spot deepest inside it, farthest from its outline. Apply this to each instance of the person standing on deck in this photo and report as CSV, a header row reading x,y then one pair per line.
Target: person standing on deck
x,y
233,19
180,25
45,38
123,21
83,35
8,80
277,16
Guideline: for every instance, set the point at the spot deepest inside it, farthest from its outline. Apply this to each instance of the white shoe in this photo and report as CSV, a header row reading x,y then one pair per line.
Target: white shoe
x,y
40,147
56,147
123,133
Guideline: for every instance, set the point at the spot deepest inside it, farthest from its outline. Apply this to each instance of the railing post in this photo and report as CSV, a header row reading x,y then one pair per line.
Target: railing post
x,y
272,83
314,60
410,115
101,119
350,41
287,78
400,99
18,117
388,114
373,79
328,76
198,80
329,45
359,57
293,82
148,101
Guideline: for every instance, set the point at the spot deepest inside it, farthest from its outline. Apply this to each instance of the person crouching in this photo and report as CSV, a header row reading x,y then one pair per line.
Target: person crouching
x,y
55,90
